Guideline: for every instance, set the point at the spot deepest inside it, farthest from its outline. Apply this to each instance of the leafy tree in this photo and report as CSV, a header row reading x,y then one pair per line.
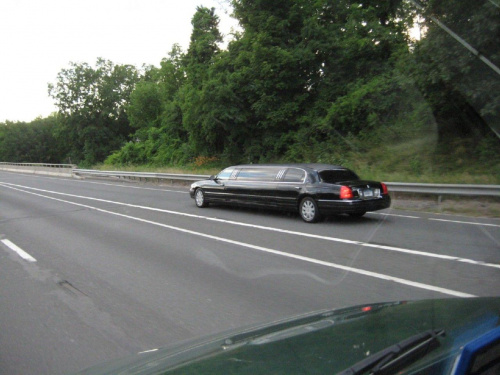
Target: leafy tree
x,y
204,44
270,72
463,90
92,103
145,105
171,79
31,142
155,111
201,55
296,59
352,42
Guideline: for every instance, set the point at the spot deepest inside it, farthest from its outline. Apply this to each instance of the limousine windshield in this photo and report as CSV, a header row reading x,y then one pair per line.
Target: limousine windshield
x,y
225,174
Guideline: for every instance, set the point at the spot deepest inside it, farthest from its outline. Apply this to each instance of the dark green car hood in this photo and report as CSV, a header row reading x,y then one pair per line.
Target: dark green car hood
x,y
324,342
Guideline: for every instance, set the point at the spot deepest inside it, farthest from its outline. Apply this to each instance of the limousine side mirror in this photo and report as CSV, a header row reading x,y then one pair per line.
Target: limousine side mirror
x,y
212,177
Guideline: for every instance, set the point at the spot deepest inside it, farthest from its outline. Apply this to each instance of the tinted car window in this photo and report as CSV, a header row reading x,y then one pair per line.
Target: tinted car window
x,y
225,174
338,175
258,174
294,175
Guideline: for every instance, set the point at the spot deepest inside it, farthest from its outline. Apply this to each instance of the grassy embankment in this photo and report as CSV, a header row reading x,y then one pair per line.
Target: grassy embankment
x,y
418,160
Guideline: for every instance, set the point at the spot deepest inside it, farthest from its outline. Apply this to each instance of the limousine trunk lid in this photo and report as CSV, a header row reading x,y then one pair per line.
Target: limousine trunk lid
x,y
363,189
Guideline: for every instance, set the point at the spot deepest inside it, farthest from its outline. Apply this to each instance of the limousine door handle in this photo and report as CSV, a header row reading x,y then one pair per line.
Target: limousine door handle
x,y
297,187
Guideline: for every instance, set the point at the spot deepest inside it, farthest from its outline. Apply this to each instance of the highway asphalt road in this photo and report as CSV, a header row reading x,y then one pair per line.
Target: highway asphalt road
x,y
92,270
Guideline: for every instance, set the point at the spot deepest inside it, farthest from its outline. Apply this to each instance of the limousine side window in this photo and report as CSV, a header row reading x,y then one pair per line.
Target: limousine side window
x,y
258,174
225,174
334,176
294,175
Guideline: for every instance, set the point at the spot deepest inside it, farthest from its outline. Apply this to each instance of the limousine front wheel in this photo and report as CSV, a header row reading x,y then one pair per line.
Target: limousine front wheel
x,y
199,198
308,210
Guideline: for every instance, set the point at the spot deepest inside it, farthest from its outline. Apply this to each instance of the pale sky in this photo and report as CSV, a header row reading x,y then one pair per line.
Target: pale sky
x,y
38,38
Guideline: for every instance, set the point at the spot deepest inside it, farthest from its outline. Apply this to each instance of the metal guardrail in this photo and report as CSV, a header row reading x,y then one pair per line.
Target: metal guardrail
x,y
47,165
396,187
140,175
39,168
445,189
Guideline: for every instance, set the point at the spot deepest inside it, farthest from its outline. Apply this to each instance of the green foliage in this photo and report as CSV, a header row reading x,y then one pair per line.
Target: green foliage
x,y
332,81
145,105
203,46
158,148
463,91
316,81
33,142
488,149
92,103
366,106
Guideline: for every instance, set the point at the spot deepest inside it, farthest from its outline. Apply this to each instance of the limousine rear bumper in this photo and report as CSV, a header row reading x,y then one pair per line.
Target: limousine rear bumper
x,y
353,206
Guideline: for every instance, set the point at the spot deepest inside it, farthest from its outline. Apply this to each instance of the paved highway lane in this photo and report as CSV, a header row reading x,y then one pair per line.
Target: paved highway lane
x,y
122,268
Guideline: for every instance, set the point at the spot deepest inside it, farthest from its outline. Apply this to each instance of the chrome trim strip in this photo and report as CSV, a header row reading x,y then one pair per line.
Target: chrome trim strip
x,y
242,195
263,182
338,200
348,200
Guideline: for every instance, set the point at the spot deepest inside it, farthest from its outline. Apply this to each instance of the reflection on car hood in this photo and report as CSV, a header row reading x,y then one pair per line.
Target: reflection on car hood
x,y
322,342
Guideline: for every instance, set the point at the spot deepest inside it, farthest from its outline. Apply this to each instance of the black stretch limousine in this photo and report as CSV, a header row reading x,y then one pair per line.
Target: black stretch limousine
x,y
314,190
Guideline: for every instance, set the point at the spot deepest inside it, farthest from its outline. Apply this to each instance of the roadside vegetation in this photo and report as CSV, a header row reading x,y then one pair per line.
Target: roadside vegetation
x,y
324,81
411,162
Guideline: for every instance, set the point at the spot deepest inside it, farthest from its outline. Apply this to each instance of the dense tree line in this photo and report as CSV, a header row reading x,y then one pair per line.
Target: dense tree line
x,y
35,142
301,81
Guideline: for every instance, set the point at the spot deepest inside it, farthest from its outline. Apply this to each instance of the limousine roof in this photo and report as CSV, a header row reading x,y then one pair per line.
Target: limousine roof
x,y
318,167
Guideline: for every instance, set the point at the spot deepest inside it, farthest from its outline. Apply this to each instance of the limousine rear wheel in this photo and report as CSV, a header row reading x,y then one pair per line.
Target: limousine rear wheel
x,y
199,198
308,210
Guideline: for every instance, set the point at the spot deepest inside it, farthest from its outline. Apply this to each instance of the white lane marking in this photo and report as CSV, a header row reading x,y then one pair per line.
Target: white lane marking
x,y
397,215
109,184
466,222
23,254
133,187
268,250
271,229
148,351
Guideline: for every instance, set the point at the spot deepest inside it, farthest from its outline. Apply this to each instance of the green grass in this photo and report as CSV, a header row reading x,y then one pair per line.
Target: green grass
x,y
423,160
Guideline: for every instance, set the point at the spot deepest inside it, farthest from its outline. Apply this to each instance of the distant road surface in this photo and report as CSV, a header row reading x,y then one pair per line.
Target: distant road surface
x,y
93,270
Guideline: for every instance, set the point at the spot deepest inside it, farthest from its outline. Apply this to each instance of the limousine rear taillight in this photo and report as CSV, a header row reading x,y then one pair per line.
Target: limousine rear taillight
x,y
384,188
346,192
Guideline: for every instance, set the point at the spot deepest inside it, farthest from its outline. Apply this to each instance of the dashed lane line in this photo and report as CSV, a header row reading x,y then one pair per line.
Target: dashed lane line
x,y
23,254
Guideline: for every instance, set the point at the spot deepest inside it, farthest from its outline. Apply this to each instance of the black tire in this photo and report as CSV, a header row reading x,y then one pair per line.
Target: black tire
x,y
199,198
308,210
357,214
